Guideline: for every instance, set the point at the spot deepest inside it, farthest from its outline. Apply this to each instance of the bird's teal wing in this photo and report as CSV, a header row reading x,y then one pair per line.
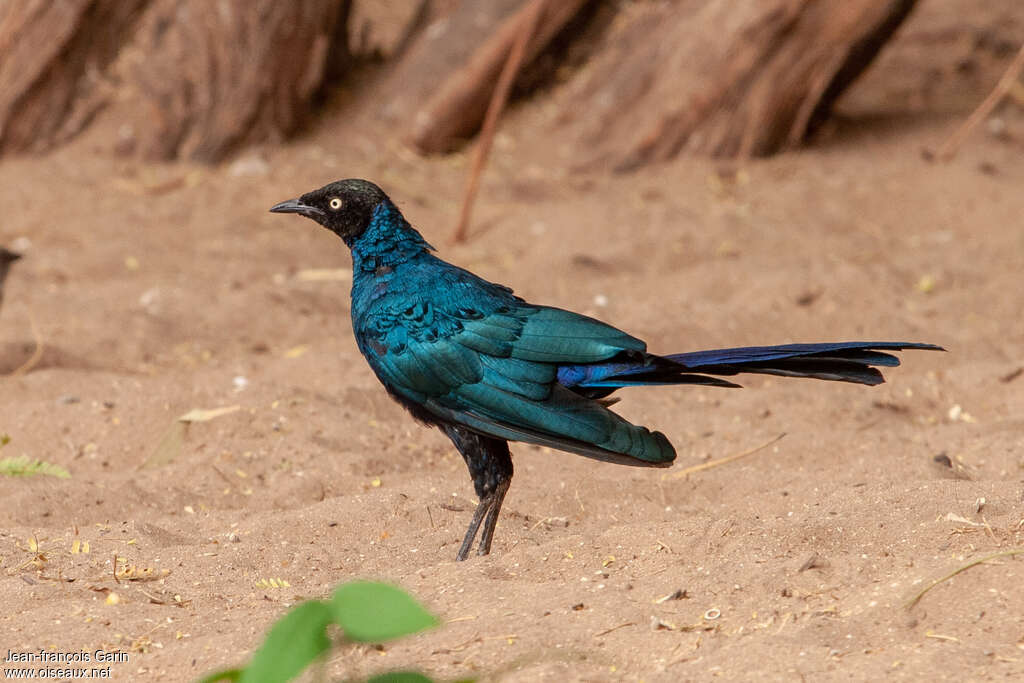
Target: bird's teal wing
x,y
495,372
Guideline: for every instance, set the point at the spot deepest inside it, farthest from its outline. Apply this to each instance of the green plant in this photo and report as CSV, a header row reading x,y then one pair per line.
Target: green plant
x,y
366,612
23,466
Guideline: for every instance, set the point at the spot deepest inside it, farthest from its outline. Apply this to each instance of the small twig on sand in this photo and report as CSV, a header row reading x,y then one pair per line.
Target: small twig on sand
x,y
614,628
37,354
494,109
973,563
721,461
1005,85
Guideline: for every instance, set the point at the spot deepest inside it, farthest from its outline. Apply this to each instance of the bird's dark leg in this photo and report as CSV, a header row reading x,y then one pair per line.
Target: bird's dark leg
x,y
498,497
490,466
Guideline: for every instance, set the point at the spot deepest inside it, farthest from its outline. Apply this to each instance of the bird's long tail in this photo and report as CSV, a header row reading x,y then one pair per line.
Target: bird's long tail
x,y
852,361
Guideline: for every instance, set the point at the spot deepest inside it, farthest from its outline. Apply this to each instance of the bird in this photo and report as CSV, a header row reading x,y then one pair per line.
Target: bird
x,y
7,257
487,367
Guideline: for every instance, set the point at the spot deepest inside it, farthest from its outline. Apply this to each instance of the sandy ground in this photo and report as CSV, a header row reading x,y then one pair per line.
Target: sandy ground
x,y
156,290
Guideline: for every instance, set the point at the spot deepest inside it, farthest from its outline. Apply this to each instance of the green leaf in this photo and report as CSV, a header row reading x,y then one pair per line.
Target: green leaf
x,y
22,466
226,675
298,638
370,612
400,677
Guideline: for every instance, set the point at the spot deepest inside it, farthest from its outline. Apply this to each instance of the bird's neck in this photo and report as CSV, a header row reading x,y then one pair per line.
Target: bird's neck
x,y
387,241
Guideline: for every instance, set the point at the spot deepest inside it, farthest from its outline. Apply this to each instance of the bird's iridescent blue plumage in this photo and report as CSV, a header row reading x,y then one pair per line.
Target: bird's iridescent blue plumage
x,y
470,351
487,367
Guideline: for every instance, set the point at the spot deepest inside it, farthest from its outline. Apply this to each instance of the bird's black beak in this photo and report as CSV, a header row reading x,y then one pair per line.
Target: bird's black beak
x,y
297,206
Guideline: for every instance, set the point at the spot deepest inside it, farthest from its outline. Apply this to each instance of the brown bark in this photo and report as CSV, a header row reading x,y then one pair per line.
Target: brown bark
x,y
210,76
456,112
728,78
51,55
451,34
450,74
194,79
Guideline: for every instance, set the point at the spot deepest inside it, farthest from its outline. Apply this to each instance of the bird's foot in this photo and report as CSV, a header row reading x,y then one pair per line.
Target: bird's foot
x,y
487,511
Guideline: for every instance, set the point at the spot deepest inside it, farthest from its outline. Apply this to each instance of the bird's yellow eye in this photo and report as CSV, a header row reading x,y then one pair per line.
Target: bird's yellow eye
x,y
334,203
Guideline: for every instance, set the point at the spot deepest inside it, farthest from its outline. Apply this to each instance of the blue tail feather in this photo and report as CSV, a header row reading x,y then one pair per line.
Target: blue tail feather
x,y
851,350
852,361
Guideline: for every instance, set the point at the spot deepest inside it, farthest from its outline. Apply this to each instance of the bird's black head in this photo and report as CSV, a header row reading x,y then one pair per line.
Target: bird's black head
x,y
344,207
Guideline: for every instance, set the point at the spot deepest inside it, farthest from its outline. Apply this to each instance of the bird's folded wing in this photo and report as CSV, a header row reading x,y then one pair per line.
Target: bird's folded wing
x,y
564,420
549,335
660,455
516,349
498,376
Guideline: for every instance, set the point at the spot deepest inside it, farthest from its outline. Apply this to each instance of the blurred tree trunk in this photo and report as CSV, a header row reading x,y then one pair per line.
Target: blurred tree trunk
x,y
445,43
191,78
456,111
196,79
51,58
440,92
727,78
210,76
